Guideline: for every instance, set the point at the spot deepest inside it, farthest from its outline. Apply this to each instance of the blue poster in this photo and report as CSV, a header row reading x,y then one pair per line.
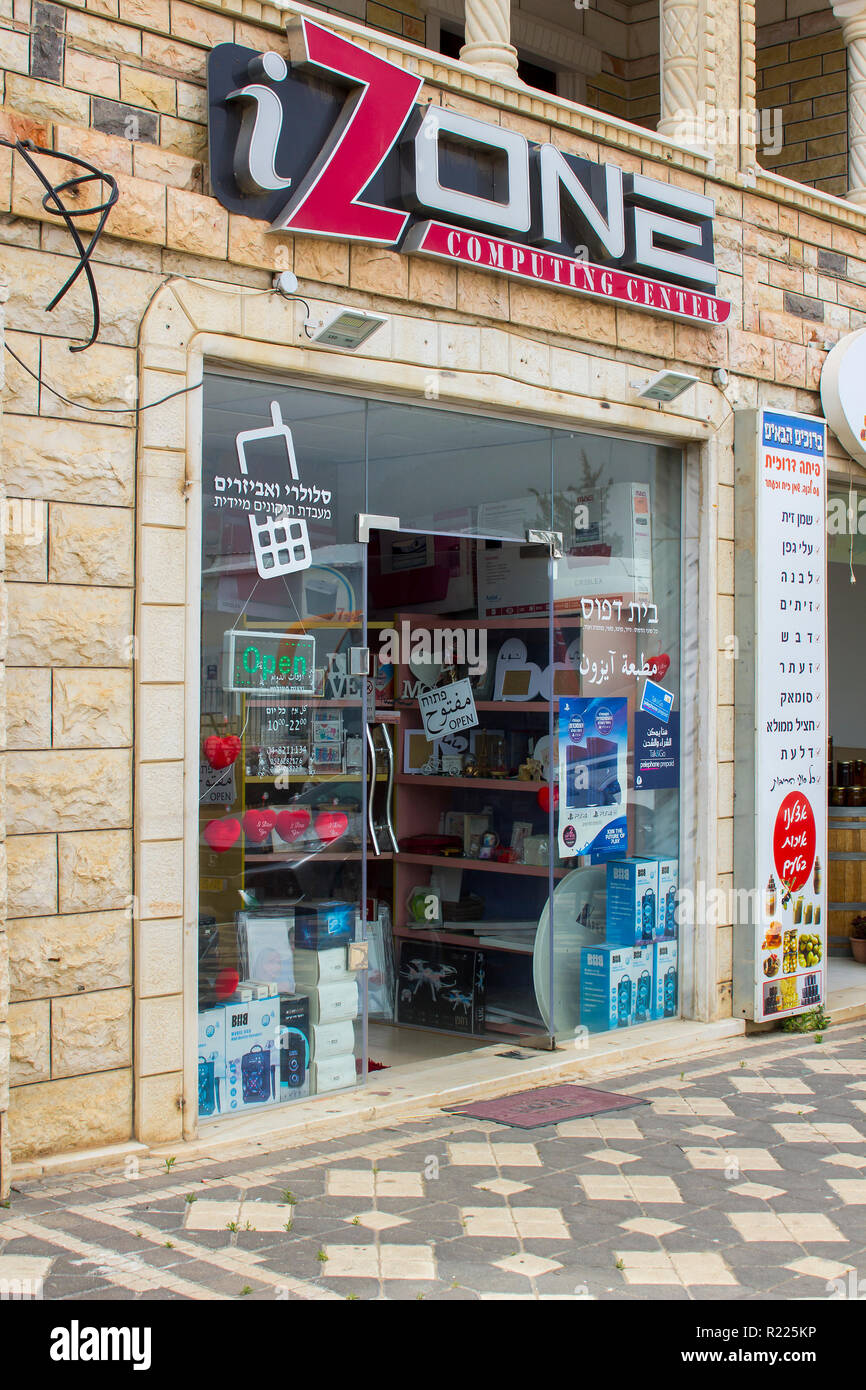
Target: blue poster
x,y
656,752
593,768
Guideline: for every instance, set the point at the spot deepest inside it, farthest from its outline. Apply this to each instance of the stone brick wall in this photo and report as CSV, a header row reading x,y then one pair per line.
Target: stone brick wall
x,y
803,75
123,84
5,1154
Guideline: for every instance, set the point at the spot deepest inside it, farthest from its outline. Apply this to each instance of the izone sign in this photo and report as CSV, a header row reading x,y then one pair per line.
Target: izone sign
x,y
339,145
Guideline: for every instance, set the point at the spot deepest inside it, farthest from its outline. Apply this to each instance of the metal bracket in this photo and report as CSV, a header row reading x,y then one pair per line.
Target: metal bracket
x,y
359,661
369,521
552,539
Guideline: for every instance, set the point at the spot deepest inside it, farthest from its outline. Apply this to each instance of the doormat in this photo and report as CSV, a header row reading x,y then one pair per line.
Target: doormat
x,y
547,1105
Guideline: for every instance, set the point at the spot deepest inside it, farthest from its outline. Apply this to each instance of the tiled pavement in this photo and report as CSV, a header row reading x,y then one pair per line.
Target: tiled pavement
x,y
743,1177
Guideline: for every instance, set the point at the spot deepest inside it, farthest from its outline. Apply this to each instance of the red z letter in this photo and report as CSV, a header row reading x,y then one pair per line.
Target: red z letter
x,y
376,110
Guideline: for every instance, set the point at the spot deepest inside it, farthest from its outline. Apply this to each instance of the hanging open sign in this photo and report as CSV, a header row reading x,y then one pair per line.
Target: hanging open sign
x,y
268,663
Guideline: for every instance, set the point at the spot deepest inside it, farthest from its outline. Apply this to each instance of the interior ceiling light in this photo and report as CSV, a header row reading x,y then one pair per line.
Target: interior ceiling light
x,y
348,329
666,386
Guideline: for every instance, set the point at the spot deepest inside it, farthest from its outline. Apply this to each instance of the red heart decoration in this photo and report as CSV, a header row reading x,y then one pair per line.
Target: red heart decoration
x,y
658,665
544,797
330,825
292,823
221,750
258,824
222,834
226,983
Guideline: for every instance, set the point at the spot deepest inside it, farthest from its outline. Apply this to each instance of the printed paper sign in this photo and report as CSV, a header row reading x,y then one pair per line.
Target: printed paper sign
x,y
448,709
216,785
593,764
657,701
656,752
782,850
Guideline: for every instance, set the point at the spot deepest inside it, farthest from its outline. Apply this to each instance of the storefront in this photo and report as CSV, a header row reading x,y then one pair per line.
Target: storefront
x,y
409,603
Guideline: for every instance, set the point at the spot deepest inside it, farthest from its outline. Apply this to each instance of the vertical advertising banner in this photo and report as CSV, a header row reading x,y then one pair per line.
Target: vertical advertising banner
x,y
784,650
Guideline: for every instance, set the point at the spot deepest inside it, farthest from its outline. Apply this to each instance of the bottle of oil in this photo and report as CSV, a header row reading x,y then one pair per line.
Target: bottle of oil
x,y
770,899
816,876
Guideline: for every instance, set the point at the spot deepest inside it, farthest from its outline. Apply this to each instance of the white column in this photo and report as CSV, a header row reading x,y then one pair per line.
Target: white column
x,y
488,38
852,16
680,66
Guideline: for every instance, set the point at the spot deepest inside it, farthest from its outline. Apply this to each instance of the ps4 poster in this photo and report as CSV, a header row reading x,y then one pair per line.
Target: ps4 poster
x,y
593,768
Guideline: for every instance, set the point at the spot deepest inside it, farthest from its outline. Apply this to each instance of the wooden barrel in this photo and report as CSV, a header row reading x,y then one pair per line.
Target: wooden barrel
x,y
846,871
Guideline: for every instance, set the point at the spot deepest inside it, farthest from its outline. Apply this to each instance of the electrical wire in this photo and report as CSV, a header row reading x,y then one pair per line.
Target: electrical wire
x,y
100,409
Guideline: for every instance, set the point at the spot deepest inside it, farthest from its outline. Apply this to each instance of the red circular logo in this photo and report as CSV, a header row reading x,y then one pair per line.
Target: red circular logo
x,y
794,840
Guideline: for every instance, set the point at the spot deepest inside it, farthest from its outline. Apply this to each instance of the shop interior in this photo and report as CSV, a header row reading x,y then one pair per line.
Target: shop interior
x,y
440,772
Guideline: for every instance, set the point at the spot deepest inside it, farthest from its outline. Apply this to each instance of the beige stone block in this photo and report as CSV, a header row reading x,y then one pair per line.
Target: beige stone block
x,y
725,798
415,340
28,707
725,953
569,371
379,271
54,1117
725,846
161,493
159,959
70,462
159,800
164,166
46,100
88,73
432,283
318,258
482,294
160,722
92,708
706,347
159,1035
140,211
104,376
30,1042
26,537
196,224
32,869
725,551
192,101
100,33
162,644
162,565
69,625
644,333
196,25
170,53
529,360
148,90
459,347
95,870
91,1032
186,137
160,879
71,954
751,354
250,243
91,545
725,733
790,364
725,514
112,153
65,790
159,1108
150,14
21,392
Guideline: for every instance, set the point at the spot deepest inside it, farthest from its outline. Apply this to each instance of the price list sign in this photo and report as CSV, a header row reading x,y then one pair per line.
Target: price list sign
x,y
780,718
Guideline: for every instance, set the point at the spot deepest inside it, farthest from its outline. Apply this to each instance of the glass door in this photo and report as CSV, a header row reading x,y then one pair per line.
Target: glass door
x,y
460,647
284,753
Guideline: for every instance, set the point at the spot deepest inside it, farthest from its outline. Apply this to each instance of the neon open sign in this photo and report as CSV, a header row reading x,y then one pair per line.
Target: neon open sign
x,y
268,663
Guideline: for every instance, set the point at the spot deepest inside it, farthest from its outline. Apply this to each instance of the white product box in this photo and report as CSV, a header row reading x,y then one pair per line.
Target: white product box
x,y
607,987
665,980
212,1062
331,1039
334,1002
333,1074
314,968
252,1054
632,901
261,989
